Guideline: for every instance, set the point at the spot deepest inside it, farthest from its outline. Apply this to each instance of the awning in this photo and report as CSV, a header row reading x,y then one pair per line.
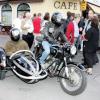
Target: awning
x,y
95,8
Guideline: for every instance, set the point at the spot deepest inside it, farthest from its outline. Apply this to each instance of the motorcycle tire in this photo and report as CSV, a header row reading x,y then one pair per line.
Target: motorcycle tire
x,y
76,83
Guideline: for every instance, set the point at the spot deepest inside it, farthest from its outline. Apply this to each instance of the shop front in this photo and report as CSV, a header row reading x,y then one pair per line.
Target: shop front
x,y
10,9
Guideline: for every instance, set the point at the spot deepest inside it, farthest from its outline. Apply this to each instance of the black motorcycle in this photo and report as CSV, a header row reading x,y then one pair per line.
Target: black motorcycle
x,y
59,64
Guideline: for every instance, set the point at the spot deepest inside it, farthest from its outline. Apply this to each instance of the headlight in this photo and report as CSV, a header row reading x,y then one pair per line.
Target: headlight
x,y
73,50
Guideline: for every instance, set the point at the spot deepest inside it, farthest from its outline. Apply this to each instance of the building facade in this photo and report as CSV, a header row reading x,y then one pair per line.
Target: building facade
x,y
10,9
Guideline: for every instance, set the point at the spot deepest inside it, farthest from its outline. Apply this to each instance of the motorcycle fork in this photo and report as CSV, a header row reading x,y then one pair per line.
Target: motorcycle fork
x,y
66,68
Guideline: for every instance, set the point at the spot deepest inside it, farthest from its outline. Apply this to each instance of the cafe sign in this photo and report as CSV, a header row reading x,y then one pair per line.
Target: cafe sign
x,y
65,4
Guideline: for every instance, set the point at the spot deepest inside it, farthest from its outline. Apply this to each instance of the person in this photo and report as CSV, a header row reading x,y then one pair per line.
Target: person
x,y
17,22
27,29
70,30
1,27
76,32
2,58
66,21
45,20
81,25
99,37
51,33
37,24
86,28
91,44
34,16
15,44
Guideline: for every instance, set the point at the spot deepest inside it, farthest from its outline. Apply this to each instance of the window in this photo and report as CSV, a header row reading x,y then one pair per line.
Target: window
x,y
6,15
22,8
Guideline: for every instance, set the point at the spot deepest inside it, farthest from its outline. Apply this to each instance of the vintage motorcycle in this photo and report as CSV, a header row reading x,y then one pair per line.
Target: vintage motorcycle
x,y
59,64
24,65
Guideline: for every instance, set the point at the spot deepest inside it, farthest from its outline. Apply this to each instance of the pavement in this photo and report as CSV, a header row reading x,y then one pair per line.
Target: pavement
x,y
12,88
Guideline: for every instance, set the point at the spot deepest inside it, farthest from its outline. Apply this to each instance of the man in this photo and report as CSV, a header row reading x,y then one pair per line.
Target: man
x,y
17,22
15,44
27,29
66,21
52,33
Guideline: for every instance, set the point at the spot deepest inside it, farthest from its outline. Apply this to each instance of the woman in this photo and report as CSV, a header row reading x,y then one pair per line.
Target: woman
x,y
70,30
91,44
27,29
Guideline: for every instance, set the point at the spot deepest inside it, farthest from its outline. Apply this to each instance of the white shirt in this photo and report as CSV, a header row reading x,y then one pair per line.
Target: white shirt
x,y
17,24
29,25
43,24
76,29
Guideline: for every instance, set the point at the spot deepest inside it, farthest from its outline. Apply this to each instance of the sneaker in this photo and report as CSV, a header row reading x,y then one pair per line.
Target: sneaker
x,y
43,66
89,71
82,67
81,50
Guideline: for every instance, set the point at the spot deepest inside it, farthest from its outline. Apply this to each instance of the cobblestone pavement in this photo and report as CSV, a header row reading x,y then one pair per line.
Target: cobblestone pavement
x,y
12,88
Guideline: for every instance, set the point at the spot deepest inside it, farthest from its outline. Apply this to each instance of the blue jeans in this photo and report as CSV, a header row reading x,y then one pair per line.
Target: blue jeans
x,y
46,46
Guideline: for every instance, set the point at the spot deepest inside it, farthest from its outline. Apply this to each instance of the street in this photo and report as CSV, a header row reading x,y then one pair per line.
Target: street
x,y
12,88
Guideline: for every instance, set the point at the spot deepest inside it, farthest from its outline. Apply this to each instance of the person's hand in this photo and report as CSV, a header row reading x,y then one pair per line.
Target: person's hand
x,y
80,29
83,38
26,26
1,64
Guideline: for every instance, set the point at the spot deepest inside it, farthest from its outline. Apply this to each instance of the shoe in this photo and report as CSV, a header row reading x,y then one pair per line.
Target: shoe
x,y
43,66
97,61
82,67
89,71
81,50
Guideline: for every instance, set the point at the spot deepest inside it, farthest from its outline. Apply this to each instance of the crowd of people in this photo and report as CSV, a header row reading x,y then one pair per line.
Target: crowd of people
x,y
76,30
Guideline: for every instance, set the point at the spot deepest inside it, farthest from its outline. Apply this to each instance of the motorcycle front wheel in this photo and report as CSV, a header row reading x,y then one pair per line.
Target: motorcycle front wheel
x,y
75,83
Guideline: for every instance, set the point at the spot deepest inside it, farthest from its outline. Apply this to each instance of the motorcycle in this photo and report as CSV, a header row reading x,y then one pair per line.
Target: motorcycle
x,y
59,64
25,66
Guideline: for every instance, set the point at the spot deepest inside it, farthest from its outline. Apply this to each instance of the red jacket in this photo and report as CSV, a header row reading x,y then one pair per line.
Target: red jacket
x,y
37,25
70,32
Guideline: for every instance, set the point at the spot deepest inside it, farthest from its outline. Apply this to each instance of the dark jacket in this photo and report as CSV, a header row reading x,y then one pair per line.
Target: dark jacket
x,y
55,36
99,35
81,24
92,36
